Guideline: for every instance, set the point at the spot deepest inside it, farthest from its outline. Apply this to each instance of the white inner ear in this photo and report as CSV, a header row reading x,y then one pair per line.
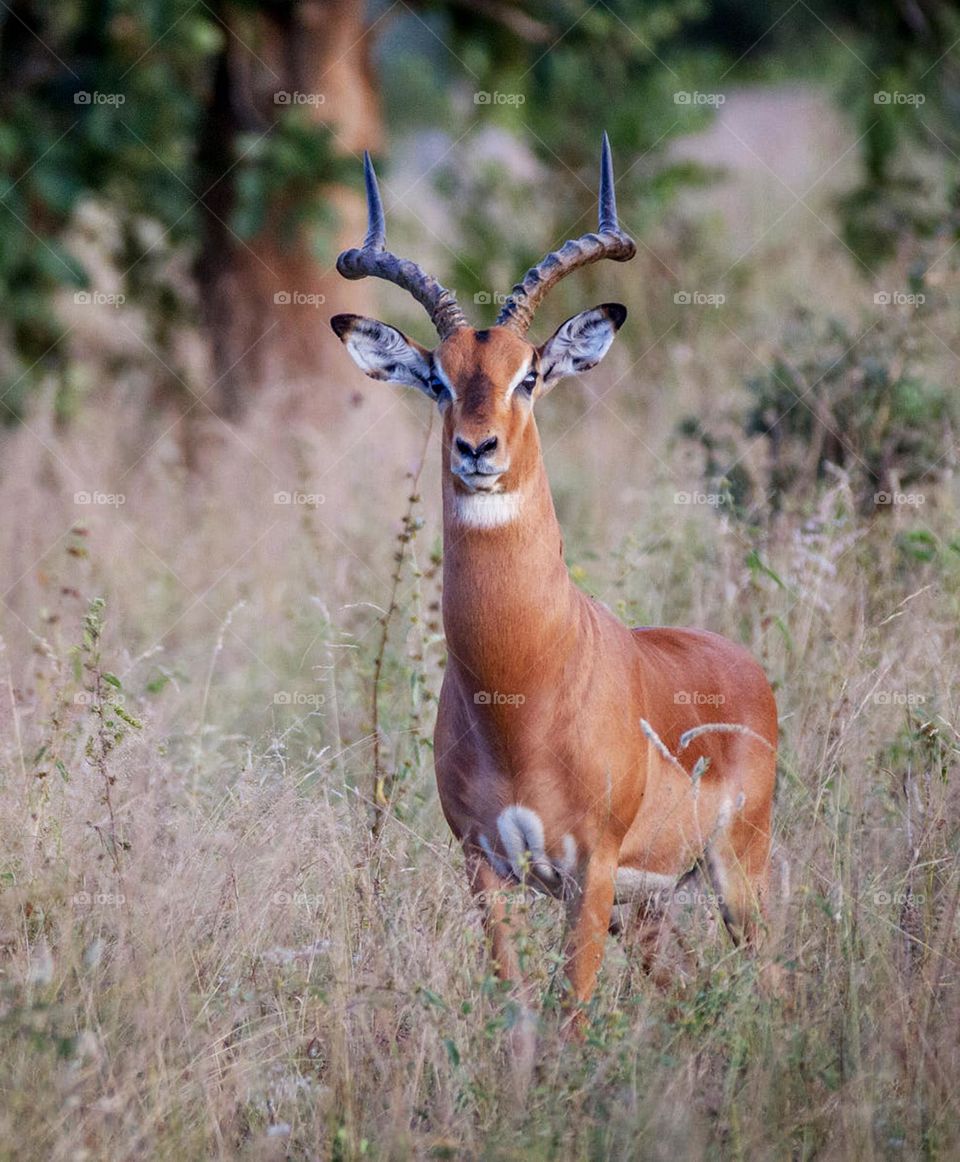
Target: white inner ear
x,y
579,344
442,376
383,353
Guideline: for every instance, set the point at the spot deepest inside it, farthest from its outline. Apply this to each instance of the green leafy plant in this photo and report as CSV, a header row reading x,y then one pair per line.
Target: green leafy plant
x,y
860,399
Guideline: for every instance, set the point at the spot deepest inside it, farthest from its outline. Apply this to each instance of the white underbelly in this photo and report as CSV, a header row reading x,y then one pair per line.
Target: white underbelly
x,y
633,883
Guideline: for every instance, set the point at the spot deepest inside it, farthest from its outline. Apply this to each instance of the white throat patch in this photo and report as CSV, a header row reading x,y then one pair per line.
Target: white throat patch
x,y
487,510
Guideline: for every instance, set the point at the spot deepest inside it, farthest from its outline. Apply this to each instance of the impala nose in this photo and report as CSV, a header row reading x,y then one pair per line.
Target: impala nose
x,y
467,449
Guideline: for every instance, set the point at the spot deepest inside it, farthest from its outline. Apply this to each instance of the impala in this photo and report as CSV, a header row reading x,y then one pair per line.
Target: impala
x,y
573,754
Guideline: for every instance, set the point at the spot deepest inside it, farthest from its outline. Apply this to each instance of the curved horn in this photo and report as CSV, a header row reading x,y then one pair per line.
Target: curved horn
x,y
609,242
373,260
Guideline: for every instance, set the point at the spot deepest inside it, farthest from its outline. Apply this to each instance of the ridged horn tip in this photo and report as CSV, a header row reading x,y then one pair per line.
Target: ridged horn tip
x,y
376,237
607,217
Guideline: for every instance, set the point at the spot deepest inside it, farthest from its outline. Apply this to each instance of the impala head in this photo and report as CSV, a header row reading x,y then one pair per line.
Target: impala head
x,y
485,382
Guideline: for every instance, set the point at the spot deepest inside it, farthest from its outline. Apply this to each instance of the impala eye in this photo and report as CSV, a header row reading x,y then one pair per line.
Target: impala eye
x,y
529,382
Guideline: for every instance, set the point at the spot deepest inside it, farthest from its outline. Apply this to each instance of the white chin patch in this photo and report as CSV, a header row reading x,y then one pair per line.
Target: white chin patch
x,y
487,510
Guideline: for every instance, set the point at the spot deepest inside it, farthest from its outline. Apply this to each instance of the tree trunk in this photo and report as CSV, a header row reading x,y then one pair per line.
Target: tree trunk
x,y
266,300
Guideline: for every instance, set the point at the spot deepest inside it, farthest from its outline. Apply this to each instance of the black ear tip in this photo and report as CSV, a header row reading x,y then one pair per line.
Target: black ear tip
x,y
343,324
616,313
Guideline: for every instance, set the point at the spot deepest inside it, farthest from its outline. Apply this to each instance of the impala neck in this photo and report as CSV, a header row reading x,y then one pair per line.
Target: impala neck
x,y
508,601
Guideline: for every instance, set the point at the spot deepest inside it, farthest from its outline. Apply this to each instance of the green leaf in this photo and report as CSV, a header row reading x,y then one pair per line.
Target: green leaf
x,y
756,565
430,998
127,718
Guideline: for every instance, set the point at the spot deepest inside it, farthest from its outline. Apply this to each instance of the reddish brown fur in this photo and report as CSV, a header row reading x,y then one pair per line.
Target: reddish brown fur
x,y
574,751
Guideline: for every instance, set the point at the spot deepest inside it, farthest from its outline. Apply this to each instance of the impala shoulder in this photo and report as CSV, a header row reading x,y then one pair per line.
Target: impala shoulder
x,y
685,643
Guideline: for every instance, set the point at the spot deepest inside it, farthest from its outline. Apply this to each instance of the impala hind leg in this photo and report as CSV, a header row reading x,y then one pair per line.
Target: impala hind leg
x,y
504,932
659,942
738,866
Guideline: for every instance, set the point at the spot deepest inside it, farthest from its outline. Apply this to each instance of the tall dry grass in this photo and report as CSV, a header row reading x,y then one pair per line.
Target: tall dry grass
x,y
202,954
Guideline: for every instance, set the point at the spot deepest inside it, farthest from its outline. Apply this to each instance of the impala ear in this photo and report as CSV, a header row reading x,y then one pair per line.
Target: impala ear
x,y
580,343
383,352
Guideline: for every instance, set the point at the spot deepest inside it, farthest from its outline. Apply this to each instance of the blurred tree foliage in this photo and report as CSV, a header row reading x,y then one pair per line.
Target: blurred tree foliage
x,y
904,90
119,101
165,113
553,74
64,136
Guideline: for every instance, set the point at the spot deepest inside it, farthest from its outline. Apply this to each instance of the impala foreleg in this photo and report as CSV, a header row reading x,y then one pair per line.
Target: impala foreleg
x,y
504,931
588,921
501,923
